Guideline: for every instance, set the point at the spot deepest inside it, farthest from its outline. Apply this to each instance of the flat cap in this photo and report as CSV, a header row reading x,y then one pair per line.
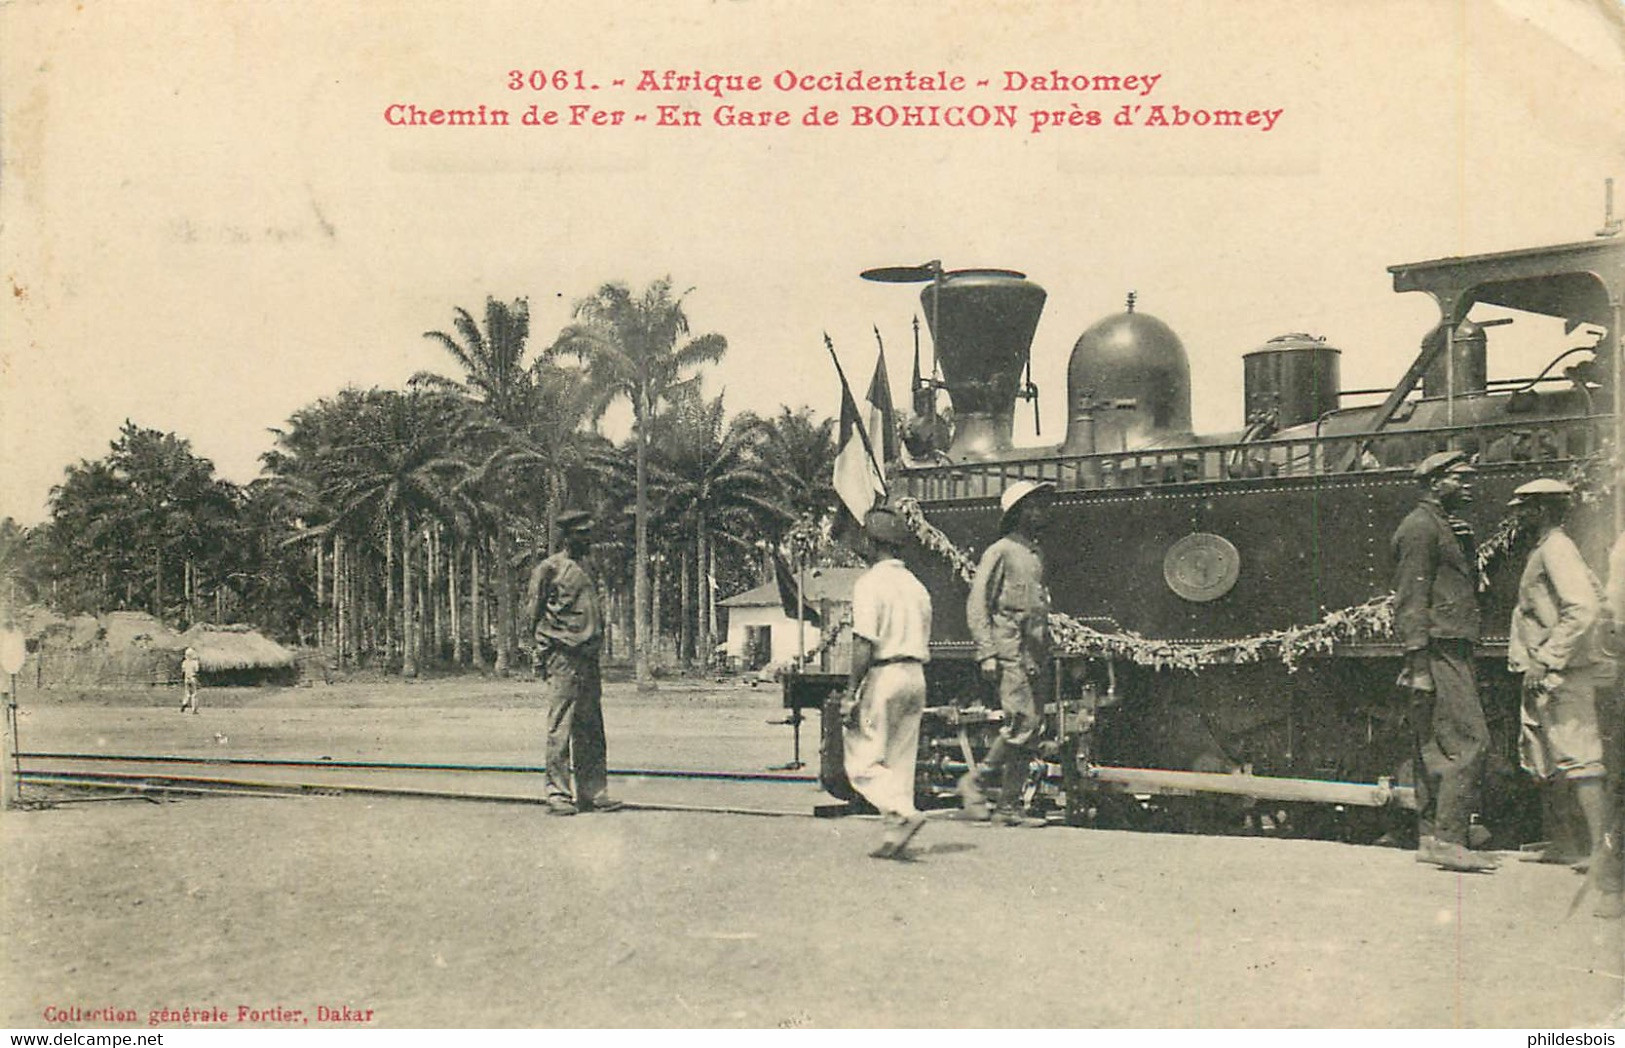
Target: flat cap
x,y
575,520
885,525
1440,461
1540,486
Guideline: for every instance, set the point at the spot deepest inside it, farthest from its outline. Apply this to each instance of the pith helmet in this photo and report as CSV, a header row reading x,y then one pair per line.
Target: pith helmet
x,y
884,525
1015,493
1541,487
1440,462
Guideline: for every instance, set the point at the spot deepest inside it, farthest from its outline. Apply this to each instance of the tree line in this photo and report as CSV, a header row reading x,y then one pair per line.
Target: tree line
x,y
395,527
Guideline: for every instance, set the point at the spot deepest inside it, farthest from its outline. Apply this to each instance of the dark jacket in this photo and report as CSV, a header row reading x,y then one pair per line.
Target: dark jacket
x,y
563,607
1435,580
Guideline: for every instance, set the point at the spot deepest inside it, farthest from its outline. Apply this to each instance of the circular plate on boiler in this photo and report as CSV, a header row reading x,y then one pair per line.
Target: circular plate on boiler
x,y
1201,567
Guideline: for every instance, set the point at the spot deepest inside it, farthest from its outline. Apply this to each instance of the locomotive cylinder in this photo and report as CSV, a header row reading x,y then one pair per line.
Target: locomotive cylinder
x,y
1128,358
1295,376
982,323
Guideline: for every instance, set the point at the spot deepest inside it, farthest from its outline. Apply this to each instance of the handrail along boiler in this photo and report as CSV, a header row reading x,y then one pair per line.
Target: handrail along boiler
x,y
1206,544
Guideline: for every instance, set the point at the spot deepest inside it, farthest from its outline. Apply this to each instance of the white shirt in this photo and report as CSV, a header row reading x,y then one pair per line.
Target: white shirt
x,y
892,611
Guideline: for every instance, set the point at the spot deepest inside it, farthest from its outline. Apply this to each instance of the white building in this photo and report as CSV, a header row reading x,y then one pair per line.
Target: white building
x,y
761,634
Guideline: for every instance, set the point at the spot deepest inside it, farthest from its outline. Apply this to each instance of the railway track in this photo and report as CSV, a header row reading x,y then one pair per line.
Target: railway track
x,y
720,792
158,775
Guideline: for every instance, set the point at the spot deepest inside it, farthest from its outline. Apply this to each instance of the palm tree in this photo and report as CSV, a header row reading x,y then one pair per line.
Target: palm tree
x,y
712,482
494,372
90,539
637,346
527,428
404,477
302,466
799,451
368,469
496,381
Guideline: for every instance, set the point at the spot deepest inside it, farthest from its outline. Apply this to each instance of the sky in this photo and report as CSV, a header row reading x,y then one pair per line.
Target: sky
x,y
207,221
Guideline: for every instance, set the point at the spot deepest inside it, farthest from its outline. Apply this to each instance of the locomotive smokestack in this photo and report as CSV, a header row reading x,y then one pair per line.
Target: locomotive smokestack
x,y
982,323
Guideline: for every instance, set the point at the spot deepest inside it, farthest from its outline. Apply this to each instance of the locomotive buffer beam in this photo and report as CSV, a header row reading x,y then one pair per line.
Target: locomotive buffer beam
x,y
1259,787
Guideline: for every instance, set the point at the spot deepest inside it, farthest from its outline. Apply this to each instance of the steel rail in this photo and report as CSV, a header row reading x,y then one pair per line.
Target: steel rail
x,y
309,762
1148,780
199,784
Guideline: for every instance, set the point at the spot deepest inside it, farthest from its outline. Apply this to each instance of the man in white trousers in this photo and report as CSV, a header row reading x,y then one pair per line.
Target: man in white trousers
x,y
891,632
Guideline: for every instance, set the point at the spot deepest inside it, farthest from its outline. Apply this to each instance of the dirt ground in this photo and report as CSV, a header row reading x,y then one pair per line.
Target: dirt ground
x,y
332,911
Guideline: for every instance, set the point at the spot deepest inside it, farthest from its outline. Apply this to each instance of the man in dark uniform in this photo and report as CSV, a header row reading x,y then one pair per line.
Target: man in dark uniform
x,y
1436,616
1008,615
569,631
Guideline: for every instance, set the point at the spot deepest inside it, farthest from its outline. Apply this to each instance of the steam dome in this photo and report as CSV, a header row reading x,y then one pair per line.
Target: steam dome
x,y
1123,358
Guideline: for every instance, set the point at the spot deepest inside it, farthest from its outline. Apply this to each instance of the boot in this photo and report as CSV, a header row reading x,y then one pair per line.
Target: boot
x,y
1566,839
992,765
1017,762
971,798
1427,848
974,783
1457,857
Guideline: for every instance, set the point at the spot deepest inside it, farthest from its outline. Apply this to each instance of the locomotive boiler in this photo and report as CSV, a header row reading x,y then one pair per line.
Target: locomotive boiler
x,y
1223,655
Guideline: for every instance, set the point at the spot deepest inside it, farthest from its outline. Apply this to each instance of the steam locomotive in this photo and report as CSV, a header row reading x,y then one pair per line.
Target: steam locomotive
x,y
1193,564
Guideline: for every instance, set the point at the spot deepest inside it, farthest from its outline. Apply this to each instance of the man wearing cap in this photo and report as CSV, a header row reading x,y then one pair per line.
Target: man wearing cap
x,y
569,630
891,631
1008,615
1436,616
1551,644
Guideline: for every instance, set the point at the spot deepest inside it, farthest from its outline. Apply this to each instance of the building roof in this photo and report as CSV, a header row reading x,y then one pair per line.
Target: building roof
x,y
822,584
235,647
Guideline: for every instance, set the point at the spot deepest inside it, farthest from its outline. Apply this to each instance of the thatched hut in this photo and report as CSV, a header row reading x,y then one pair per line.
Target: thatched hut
x,y
120,649
125,648
237,654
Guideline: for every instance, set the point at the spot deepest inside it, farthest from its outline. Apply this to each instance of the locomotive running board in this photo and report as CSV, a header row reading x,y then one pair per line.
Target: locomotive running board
x,y
1260,787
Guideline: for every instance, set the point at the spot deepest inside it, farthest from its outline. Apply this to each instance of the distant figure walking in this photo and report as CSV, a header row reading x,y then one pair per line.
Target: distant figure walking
x,y
190,666
569,631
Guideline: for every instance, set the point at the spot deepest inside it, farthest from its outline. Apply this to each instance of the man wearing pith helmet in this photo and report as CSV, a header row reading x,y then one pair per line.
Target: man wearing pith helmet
x,y
891,634
1008,615
1551,643
1436,616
